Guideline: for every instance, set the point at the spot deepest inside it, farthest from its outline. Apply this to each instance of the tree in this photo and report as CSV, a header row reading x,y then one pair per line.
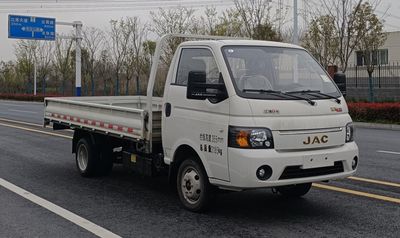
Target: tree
x,y
347,32
120,35
63,61
105,71
229,24
43,58
135,58
252,19
10,78
93,42
208,22
256,19
25,52
371,27
321,40
149,47
31,52
178,20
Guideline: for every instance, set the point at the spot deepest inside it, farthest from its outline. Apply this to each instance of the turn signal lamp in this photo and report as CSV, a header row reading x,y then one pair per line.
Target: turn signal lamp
x,y
242,139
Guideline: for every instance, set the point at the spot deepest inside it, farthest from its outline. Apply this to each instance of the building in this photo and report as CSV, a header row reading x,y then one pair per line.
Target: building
x,y
386,74
387,54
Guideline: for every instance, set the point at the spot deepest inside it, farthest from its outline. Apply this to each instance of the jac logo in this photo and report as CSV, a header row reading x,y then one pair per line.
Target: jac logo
x,y
316,140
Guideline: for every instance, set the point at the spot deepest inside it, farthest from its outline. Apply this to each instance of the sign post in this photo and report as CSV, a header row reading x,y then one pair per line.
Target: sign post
x,y
31,28
78,60
42,28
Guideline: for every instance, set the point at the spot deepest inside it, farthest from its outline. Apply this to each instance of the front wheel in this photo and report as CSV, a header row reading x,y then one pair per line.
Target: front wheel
x,y
194,190
295,190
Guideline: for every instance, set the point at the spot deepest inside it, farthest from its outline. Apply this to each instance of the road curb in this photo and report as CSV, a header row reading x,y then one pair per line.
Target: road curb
x,y
392,127
20,101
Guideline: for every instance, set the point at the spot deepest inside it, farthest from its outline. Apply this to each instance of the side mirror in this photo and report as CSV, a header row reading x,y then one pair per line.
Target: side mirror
x,y
340,80
198,89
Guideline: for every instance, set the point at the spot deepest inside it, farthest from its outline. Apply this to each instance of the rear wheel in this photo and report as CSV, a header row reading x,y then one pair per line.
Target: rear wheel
x,y
86,159
92,160
295,190
194,190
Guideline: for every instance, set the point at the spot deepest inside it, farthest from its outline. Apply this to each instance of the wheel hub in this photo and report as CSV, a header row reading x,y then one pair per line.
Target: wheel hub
x,y
83,157
191,186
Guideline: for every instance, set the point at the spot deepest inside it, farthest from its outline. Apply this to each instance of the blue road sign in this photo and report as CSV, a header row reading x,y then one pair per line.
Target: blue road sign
x,y
33,28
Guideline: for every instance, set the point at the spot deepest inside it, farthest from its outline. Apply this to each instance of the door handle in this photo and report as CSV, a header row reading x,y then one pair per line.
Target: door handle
x,y
167,109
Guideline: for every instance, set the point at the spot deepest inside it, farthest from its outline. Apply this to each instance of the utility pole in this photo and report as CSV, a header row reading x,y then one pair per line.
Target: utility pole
x,y
295,24
295,41
34,75
280,16
78,59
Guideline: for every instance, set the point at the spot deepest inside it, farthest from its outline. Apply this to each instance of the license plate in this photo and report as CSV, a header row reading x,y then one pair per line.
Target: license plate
x,y
310,162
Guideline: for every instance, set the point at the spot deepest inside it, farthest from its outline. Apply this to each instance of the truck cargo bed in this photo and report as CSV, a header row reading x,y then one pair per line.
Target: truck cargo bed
x,y
123,116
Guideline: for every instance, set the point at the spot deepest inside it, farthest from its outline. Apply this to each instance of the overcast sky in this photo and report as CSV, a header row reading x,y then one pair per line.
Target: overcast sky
x,y
99,13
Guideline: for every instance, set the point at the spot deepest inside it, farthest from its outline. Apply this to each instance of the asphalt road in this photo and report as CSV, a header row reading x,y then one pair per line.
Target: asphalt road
x,y
131,206
22,111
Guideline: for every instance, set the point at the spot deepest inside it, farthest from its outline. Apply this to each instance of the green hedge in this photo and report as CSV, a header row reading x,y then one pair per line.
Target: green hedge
x,y
24,97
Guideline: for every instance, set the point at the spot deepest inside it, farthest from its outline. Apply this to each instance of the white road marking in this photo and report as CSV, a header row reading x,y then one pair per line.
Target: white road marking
x,y
388,152
20,122
23,111
80,221
38,131
27,123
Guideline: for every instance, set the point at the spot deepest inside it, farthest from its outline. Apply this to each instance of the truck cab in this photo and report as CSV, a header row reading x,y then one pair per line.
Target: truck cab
x,y
254,114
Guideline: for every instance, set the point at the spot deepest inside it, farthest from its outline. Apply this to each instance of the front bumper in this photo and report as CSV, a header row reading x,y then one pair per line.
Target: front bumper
x,y
243,165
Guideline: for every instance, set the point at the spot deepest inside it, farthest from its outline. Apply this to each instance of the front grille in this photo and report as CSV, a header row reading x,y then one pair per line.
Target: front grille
x,y
292,172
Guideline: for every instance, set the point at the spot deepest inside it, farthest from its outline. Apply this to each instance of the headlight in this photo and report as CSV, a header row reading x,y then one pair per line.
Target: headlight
x,y
250,138
349,132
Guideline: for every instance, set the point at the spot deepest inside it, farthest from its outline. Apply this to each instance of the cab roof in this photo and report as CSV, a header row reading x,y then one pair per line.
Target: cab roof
x,y
220,43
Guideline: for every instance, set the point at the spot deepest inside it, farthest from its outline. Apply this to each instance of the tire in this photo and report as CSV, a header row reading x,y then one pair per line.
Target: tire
x,y
91,161
293,191
86,158
194,190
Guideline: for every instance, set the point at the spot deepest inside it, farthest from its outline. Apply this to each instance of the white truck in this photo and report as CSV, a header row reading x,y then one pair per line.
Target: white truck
x,y
235,115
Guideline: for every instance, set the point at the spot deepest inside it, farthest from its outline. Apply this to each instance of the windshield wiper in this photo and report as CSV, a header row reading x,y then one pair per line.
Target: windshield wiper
x,y
282,94
261,91
337,100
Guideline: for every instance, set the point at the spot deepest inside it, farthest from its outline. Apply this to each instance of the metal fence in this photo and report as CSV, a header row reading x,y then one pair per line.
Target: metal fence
x,y
384,76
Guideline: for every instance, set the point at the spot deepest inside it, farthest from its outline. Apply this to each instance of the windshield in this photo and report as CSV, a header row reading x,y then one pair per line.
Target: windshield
x,y
257,71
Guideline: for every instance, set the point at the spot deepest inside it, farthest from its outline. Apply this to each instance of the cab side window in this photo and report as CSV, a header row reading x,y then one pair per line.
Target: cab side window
x,y
197,60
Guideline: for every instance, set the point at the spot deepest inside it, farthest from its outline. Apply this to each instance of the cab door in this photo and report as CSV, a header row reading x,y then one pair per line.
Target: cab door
x,y
201,124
